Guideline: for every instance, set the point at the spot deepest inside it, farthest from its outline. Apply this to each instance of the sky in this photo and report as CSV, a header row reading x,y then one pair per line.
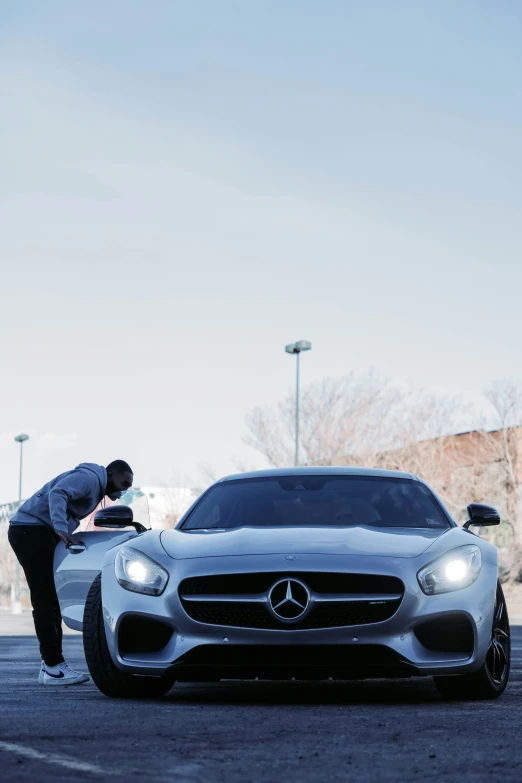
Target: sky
x,y
186,186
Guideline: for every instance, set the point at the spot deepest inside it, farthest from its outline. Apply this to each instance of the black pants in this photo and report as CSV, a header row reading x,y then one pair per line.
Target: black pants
x,y
34,547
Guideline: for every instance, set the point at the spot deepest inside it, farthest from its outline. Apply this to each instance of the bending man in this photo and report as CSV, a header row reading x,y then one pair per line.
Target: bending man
x,y
52,514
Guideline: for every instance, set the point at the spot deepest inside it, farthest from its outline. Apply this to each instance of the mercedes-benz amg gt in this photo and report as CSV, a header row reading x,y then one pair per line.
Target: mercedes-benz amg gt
x,y
306,573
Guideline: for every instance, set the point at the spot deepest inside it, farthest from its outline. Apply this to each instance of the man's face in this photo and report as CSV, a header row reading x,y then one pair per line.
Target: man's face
x,y
119,482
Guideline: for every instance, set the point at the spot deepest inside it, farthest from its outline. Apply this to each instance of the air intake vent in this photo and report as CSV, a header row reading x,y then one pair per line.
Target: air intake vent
x,y
139,634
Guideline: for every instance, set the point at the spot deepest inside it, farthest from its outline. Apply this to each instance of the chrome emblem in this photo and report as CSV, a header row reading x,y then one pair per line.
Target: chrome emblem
x,y
288,600
289,557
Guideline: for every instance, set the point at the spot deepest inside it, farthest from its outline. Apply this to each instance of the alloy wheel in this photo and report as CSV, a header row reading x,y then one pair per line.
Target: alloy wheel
x,y
497,659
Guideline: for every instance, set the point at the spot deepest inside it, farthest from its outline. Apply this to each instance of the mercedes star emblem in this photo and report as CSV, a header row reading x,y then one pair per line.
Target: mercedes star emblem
x,y
288,600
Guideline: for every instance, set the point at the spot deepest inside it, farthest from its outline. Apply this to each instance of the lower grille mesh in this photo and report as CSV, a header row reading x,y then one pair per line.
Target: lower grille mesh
x,y
250,616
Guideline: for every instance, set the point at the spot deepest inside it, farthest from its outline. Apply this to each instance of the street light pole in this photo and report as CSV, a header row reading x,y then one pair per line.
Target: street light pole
x,y
296,460
17,604
296,348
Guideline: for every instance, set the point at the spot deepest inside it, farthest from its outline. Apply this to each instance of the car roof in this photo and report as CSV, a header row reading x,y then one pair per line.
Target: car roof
x,y
321,471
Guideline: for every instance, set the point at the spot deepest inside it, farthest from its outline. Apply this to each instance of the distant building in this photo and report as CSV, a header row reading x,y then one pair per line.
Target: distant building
x,y
469,466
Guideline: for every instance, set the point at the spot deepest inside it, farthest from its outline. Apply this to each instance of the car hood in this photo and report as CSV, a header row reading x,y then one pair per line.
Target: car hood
x,y
383,542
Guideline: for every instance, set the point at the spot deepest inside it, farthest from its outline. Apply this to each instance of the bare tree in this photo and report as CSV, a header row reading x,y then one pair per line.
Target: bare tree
x,y
242,465
502,476
174,501
505,445
354,420
339,417
207,474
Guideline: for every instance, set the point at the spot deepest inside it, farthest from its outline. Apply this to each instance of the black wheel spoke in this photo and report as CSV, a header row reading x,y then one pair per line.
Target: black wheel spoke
x,y
499,668
496,664
497,659
502,655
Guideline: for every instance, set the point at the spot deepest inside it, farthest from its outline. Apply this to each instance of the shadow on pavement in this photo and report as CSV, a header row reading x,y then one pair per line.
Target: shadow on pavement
x,y
233,693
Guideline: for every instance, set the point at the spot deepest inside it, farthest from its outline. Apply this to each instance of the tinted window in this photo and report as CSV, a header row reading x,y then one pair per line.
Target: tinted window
x,y
318,500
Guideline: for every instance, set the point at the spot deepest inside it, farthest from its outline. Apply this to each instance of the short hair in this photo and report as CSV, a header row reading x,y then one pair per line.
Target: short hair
x,y
119,466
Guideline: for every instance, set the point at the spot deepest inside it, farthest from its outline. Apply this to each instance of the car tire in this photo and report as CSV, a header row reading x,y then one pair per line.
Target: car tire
x,y
107,678
490,681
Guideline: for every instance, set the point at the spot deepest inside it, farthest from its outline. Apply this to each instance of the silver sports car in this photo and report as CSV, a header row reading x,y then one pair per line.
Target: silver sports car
x,y
306,573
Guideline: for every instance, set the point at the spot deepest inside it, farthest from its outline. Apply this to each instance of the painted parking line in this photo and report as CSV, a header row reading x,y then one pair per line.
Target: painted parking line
x,y
55,758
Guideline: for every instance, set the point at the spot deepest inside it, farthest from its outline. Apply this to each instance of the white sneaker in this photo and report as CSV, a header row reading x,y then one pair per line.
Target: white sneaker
x,y
62,674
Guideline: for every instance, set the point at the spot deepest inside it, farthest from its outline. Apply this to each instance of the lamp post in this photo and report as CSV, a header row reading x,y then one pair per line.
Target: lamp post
x,y
17,604
296,348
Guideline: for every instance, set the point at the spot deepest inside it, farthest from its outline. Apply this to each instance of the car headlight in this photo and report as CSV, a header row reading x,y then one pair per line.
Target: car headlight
x,y
453,571
137,572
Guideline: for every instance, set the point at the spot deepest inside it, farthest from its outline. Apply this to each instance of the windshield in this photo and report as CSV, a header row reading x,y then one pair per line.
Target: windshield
x,y
317,501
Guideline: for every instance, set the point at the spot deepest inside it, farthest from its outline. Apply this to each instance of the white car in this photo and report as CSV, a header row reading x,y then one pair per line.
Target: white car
x,y
312,573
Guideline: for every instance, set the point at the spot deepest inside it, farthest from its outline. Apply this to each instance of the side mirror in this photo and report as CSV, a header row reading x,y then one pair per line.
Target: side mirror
x,y
117,517
482,515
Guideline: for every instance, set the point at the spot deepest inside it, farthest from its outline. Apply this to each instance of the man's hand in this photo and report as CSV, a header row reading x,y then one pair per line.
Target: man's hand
x,y
66,538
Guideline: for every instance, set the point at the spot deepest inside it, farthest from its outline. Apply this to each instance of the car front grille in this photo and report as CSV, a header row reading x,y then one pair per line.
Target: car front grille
x,y
336,599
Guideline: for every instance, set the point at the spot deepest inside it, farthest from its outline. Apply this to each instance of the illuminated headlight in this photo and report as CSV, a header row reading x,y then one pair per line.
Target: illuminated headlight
x,y
139,573
453,571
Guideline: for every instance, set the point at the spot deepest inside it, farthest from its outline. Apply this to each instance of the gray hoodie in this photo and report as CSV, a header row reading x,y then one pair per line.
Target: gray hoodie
x,y
65,500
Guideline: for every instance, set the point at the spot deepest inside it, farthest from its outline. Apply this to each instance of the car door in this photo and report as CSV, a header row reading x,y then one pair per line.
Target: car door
x,y
76,568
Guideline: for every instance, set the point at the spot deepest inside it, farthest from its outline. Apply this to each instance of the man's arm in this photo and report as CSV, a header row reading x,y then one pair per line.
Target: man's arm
x,y
72,487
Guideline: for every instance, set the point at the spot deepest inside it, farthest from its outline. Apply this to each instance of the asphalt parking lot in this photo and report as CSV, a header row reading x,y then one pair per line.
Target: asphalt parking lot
x,y
372,731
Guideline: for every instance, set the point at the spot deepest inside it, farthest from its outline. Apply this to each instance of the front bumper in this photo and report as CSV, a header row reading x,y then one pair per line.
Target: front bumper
x,y
389,648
